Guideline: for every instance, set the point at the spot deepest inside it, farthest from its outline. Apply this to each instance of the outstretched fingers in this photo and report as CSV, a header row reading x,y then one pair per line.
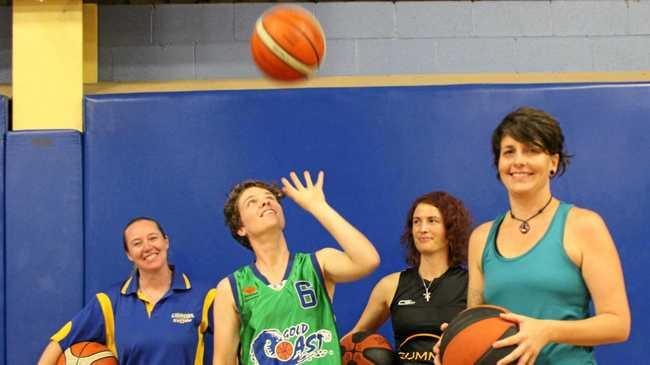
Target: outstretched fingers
x,y
296,181
307,195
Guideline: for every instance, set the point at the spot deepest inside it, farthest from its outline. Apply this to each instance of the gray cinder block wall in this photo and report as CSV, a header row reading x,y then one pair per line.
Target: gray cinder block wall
x,y
210,41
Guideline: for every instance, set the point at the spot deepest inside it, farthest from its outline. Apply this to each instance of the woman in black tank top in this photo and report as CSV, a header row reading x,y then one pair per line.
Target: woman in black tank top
x,y
434,287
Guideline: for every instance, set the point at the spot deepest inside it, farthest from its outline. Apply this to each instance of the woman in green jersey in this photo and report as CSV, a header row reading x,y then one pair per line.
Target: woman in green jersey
x,y
278,309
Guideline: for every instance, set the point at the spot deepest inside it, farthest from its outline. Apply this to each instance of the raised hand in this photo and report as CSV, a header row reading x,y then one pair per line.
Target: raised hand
x,y
308,196
359,256
530,340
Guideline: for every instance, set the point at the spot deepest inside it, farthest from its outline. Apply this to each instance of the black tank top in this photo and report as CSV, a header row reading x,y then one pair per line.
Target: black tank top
x,y
416,322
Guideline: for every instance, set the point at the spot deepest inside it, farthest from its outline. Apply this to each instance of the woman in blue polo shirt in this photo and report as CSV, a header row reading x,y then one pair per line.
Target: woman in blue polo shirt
x,y
155,316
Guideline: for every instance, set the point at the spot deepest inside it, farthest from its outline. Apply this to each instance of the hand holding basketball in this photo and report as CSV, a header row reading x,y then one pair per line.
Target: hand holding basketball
x,y
530,339
470,336
436,347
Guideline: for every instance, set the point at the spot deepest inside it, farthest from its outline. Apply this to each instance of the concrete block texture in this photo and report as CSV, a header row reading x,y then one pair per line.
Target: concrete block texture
x,y
105,60
621,53
639,17
154,63
357,19
5,27
511,18
193,23
396,56
225,60
185,41
568,54
475,55
603,17
247,14
5,66
125,25
340,58
424,19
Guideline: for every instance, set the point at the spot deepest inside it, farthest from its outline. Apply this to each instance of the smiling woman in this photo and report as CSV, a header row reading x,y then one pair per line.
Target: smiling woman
x,y
434,288
546,260
155,316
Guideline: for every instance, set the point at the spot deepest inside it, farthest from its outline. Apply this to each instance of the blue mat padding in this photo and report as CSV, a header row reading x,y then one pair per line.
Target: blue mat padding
x,y
4,119
44,238
174,156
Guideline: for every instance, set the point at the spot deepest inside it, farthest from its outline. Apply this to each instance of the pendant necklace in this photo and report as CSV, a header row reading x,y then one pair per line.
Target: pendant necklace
x,y
524,227
427,294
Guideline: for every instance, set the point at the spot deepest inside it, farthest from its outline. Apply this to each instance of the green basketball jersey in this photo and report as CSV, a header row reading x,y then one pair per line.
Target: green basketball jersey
x,y
290,324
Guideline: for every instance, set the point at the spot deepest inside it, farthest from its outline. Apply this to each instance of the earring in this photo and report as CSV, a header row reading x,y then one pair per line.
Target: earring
x,y
552,173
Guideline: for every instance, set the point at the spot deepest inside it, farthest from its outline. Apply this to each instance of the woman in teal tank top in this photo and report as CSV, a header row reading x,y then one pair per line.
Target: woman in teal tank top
x,y
546,260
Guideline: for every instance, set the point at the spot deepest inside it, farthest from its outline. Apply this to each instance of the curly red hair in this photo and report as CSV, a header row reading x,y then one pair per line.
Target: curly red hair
x,y
458,226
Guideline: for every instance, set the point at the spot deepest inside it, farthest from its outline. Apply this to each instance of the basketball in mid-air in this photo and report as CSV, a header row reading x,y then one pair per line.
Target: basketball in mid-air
x,y
469,337
87,353
364,348
288,43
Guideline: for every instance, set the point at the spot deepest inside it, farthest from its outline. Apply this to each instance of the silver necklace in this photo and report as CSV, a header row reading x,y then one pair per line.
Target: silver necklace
x,y
427,294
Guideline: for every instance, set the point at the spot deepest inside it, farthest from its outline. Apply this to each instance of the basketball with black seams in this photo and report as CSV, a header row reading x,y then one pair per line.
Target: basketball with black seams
x,y
365,348
87,353
469,337
288,43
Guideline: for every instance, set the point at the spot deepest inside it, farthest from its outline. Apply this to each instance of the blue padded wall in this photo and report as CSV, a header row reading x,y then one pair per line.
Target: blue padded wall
x,y
4,117
174,156
44,254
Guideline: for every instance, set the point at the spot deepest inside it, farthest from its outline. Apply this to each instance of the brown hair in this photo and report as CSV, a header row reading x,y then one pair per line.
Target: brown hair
x,y
138,219
535,127
457,221
231,209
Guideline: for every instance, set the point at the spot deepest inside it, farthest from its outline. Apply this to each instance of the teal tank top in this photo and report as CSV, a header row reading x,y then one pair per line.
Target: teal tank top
x,y
290,324
542,283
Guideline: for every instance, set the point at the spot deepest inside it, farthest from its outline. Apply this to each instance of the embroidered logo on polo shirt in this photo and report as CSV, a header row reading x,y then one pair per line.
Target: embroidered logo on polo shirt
x,y
182,318
406,302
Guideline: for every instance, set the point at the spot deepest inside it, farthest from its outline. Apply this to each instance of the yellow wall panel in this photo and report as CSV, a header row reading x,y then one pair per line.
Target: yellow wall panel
x,y
90,43
47,64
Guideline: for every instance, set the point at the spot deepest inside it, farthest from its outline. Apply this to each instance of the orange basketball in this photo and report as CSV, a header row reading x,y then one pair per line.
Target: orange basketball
x,y
364,348
288,43
469,337
87,353
284,350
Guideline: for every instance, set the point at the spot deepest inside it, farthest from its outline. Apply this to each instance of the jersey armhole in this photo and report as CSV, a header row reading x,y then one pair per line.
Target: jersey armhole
x,y
399,281
235,291
317,268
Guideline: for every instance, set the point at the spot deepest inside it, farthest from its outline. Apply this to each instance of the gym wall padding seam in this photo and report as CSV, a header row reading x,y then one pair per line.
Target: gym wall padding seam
x,y
4,116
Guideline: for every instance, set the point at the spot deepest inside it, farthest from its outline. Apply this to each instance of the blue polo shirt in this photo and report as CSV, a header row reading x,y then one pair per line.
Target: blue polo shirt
x,y
173,331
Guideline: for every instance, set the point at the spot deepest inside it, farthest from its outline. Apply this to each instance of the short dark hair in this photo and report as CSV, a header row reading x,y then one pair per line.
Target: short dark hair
x,y
457,221
138,219
535,127
231,214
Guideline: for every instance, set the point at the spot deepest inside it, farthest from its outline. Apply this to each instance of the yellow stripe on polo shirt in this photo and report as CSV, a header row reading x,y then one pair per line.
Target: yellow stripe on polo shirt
x,y
126,285
60,334
147,303
109,321
187,282
205,315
